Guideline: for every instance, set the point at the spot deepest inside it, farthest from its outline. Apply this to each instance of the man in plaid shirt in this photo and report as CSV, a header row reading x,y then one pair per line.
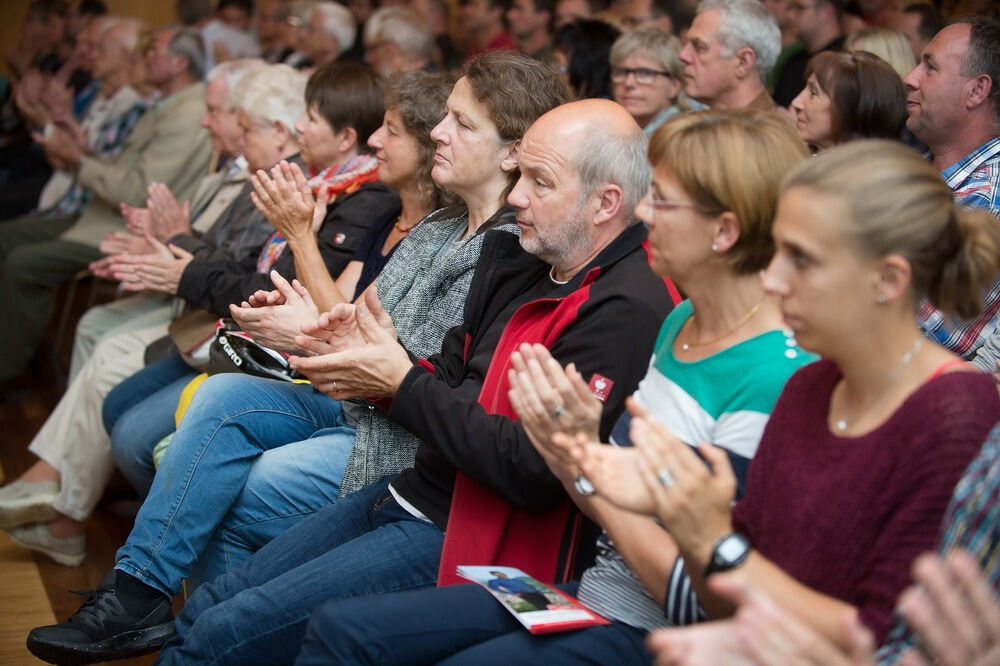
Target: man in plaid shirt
x,y
953,106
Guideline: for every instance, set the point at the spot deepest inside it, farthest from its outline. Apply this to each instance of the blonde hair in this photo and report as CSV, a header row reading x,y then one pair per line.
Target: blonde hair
x,y
887,43
759,148
898,204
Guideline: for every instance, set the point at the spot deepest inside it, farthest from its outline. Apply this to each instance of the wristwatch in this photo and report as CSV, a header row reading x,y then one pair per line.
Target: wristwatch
x,y
730,552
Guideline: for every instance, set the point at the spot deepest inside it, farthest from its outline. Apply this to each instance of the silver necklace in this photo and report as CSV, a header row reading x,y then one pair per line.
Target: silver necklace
x,y
905,361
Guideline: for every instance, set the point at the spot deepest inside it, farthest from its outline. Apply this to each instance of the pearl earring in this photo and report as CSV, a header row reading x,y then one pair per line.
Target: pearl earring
x,y
881,299
715,247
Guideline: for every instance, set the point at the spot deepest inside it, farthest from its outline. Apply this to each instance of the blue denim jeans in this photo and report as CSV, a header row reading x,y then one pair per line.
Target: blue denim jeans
x,y
257,613
454,625
139,412
284,486
231,422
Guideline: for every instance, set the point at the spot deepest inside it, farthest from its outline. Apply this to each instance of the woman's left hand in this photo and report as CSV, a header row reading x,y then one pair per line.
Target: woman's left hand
x,y
692,499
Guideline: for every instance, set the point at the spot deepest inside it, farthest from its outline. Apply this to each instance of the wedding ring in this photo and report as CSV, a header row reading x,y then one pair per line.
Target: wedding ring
x,y
334,390
583,486
558,411
665,477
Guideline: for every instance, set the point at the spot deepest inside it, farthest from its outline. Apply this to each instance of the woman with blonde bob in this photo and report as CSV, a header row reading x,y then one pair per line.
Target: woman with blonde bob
x,y
863,448
718,366
888,44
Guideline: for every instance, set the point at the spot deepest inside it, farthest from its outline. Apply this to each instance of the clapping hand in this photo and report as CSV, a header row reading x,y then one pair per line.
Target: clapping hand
x,y
275,320
160,271
168,217
548,400
286,200
372,365
760,634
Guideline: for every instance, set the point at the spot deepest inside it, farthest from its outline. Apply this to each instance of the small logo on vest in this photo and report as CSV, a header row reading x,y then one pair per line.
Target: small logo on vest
x,y
339,239
601,386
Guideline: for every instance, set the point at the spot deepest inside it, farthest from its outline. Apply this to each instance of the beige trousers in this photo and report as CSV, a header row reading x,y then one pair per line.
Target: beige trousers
x,y
73,439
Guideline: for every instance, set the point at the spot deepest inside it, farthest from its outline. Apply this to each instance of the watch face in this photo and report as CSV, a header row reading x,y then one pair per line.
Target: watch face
x,y
731,548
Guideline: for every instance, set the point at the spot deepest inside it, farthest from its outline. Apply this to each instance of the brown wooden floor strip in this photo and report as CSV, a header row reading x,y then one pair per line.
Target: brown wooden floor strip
x,y
23,602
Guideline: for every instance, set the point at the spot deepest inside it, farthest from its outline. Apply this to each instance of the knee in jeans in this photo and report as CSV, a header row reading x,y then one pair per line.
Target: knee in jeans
x,y
127,447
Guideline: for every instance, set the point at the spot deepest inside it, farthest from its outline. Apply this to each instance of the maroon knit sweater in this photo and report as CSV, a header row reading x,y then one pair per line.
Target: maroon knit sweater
x,y
846,516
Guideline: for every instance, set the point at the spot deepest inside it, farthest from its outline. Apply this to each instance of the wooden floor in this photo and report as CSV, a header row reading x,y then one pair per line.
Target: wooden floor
x,y
33,589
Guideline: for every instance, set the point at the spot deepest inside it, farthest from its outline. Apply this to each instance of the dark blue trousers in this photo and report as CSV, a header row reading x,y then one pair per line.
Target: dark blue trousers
x,y
458,624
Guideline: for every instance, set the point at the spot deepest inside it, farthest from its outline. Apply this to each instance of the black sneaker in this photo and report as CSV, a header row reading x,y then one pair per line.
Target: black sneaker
x,y
111,624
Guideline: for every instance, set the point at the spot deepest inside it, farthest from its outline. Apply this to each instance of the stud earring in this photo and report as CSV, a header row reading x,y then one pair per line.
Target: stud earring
x,y
715,247
881,299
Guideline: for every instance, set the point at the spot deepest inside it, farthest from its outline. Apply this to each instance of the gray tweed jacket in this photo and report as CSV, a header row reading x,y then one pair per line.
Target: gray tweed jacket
x,y
423,287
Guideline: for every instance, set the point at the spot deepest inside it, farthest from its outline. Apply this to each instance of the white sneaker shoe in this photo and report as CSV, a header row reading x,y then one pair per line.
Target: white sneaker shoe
x,y
70,552
22,503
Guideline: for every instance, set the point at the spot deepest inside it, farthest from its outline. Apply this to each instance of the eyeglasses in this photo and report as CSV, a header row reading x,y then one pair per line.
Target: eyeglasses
x,y
666,205
643,75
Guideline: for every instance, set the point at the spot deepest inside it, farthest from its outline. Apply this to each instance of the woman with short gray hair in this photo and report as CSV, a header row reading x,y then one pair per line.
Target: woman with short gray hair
x,y
646,77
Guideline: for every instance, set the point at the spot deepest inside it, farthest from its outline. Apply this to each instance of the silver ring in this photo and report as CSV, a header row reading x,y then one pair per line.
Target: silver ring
x,y
665,477
558,411
583,486
334,389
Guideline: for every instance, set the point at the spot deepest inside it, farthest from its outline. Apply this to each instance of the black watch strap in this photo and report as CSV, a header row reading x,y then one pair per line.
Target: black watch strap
x,y
730,552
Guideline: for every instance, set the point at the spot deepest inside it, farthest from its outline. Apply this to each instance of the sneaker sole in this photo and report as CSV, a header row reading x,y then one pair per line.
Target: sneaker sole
x,y
62,558
30,511
134,643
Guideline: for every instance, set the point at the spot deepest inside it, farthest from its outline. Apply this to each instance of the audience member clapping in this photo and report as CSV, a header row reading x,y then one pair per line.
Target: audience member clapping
x,y
165,146
831,459
712,239
950,616
468,142
46,506
343,105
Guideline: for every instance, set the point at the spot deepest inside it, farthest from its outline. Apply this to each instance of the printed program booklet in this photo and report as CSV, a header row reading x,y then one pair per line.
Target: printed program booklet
x,y
542,609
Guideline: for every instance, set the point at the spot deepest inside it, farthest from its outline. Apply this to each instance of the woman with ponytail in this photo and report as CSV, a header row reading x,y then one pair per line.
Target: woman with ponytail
x,y
863,448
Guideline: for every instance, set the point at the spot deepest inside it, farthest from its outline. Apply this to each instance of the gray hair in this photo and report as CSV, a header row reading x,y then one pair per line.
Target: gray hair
x,y
747,24
231,72
131,30
658,46
188,44
617,158
273,94
337,21
402,26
